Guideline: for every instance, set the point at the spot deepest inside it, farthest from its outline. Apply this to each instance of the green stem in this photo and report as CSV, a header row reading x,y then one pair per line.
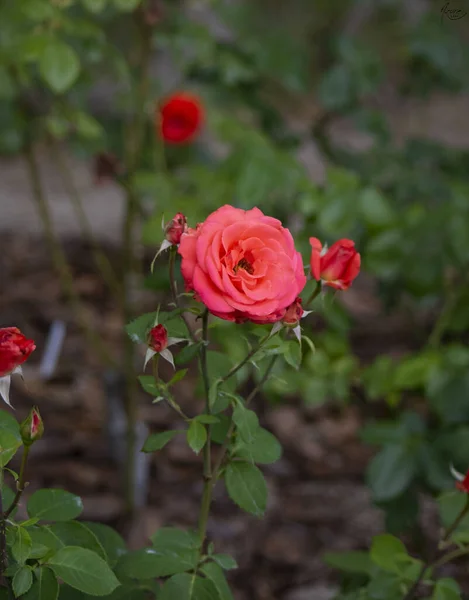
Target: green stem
x,y
442,322
20,486
246,359
458,520
451,556
208,480
169,399
226,442
174,291
315,293
101,259
134,138
59,259
434,563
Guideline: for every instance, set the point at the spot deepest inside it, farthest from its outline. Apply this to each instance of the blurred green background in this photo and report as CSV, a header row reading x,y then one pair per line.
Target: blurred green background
x,y
341,118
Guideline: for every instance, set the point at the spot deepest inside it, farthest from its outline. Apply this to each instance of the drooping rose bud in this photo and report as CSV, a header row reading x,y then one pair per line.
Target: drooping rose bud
x,y
15,349
293,313
338,266
175,228
32,428
158,338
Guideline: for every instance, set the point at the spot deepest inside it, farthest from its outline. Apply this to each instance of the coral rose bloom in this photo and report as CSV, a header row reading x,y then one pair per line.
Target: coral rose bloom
x,y
15,349
242,265
181,116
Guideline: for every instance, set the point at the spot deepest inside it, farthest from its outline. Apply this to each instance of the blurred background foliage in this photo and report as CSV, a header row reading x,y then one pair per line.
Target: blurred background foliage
x,y
274,78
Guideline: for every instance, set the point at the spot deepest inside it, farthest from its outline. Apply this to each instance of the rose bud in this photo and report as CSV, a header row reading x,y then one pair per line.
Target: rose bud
x,y
15,349
158,338
32,428
175,228
293,313
337,266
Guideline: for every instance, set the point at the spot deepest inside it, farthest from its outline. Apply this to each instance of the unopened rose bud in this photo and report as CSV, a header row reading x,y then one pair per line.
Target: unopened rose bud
x,y
293,313
32,428
158,338
175,228
336,267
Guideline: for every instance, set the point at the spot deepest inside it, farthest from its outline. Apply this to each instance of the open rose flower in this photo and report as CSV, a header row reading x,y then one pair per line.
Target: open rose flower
x,y
337,266
180,117
15,349
242,265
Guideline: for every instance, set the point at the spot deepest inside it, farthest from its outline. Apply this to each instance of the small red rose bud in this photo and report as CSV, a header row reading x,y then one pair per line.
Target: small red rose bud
x,y
293,313
158,338
338,266
175,228
32,428
15,349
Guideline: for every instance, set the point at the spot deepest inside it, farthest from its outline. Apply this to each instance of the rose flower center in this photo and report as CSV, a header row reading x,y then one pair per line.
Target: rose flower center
x,y
245,265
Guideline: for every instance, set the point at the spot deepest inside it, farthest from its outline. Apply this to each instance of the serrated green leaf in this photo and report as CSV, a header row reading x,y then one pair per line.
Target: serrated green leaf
x,y
446,589
264,448
73,533
293,354
246,487
387,551
246,422
21,549
9,445
215,574
149,385
46,586
188,353
84,570
59,66
148,563
22,581
139,328
172,538
225,561
113,544
196,436
157,441
188,587
177,377
54,505
207,419
350,562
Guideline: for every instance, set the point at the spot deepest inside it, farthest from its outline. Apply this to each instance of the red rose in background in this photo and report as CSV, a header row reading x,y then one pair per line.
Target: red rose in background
x,y
15,349
338,266
180,117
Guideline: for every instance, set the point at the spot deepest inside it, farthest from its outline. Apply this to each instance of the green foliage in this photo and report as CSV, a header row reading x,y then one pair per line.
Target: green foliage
x,y
246,486
54,505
